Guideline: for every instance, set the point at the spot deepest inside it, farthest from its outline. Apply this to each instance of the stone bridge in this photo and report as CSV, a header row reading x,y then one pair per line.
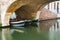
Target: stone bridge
x,y
30,7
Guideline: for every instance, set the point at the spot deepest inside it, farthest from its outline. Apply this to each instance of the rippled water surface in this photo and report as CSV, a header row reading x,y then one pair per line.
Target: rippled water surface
x,y
44,30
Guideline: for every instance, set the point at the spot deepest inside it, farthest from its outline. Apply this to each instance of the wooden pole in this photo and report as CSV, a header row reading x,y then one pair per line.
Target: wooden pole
x,y
48,6
57,7
54,5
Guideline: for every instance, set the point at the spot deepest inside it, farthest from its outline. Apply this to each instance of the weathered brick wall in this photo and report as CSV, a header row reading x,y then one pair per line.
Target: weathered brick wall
x,y
46,14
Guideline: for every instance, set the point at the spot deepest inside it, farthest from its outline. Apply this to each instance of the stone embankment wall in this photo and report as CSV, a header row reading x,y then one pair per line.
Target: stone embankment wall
x,y
46,14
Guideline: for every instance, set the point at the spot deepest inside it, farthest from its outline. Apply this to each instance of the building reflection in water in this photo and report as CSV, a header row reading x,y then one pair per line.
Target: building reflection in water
x,y
45,25
48,30
6,35
54,31
56,26
0,34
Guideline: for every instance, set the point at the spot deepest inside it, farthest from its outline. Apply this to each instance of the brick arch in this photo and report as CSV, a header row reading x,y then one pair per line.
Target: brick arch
x,y
18,4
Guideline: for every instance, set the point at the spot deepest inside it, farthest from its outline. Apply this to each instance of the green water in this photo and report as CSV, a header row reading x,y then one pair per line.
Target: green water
x,y
0,33
30,35
45,30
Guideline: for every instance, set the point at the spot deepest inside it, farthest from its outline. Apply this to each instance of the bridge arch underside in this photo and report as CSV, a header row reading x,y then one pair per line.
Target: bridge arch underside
x,y
29,7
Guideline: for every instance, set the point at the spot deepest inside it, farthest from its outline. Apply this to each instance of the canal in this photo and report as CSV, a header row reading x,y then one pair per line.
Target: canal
x,y
44,30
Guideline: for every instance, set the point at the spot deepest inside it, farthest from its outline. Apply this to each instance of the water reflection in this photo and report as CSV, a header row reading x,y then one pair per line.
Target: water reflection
x,y
6,35
0,34
44,30
54,31
45,25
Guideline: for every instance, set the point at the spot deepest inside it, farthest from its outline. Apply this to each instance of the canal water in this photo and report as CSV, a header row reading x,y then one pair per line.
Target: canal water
x,y
44,30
